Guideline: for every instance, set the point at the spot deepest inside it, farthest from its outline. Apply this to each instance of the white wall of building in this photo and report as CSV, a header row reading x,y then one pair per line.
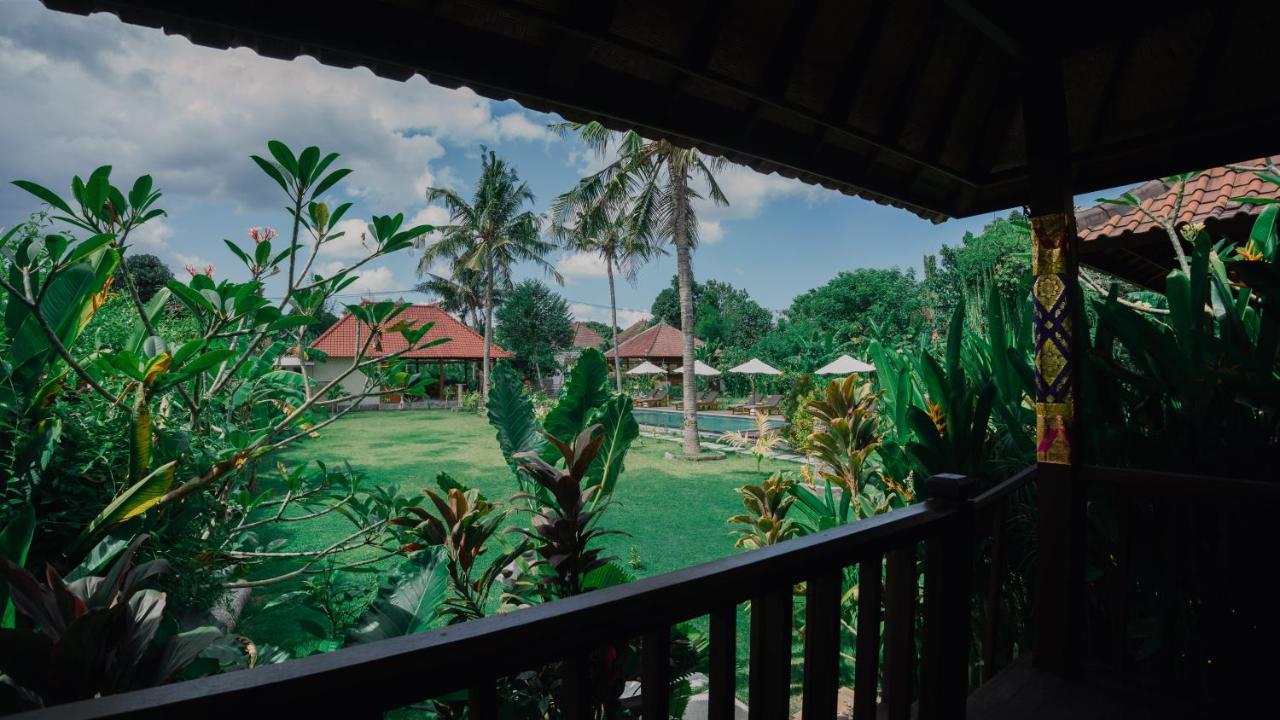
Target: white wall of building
x,y
326,370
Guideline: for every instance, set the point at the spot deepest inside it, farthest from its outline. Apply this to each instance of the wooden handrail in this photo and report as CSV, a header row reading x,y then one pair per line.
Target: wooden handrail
x,y
1002,490
369,679
1157,482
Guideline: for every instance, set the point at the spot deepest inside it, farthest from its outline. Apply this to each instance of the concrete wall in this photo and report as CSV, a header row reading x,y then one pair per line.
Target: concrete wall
x,y
324,371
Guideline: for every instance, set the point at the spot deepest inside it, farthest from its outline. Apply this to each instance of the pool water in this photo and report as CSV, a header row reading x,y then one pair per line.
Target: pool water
x,y
706,422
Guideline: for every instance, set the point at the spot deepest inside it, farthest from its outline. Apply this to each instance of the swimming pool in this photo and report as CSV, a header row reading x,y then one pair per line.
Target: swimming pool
x,y
707,422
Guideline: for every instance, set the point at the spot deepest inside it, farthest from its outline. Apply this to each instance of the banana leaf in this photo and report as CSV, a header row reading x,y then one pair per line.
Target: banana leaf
x,y
586,390
139,498
15,541
407,602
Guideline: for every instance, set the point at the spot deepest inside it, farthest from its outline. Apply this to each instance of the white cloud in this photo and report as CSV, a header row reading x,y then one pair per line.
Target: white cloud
x,y
354,243
749,191
575,266
152,237
370,279
518,126
433,215
132,97
193,262
582,311
710,231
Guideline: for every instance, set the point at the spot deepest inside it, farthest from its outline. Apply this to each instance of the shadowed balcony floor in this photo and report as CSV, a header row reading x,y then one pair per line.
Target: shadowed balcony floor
x,y
1022,692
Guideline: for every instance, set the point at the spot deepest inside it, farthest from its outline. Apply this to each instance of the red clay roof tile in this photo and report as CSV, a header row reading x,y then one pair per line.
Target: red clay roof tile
x,y
1206,197
659,341
463,342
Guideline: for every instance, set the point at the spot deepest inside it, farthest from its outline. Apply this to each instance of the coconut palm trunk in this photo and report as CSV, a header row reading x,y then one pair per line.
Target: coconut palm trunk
x,y
488,336
684,271
613,323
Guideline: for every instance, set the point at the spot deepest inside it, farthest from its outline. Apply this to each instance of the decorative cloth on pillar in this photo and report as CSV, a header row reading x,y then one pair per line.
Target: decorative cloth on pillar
x,y
1054,368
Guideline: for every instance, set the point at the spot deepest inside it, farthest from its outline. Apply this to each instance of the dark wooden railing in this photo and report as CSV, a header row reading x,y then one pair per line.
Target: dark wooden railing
x,y
368,680
1176,567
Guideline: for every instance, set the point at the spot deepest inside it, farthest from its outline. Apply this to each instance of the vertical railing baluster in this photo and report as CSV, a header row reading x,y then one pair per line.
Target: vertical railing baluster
x,y
655,674
1120,594
576,693
482,700
995,580
866,658
723,684
770,679
899,626
822,645
948,586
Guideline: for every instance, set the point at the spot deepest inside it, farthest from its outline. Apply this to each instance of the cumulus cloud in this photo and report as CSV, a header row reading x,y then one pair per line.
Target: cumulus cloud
x,y
580,265
710,231
370,279
748,193
191,116
583,311
352,245
152,237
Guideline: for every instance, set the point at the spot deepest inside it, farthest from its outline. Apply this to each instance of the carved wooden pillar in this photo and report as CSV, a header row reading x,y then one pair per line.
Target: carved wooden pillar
x,y
1059,583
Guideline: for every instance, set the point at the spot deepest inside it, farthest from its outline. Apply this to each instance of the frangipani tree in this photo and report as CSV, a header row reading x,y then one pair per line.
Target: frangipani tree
x,y
203,410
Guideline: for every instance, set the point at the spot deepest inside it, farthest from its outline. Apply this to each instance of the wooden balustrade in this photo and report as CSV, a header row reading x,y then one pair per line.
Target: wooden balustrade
x,y
368,680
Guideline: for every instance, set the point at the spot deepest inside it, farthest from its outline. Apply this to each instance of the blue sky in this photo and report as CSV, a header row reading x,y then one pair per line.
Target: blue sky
x,y
85,91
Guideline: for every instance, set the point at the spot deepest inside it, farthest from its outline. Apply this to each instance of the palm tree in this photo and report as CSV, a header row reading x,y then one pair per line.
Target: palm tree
x,y
610,233
656,177
489,236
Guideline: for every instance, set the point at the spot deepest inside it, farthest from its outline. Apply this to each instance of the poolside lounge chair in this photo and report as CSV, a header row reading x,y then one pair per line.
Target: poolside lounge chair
x,y
678,401
740,408
652,399
709,400
770,404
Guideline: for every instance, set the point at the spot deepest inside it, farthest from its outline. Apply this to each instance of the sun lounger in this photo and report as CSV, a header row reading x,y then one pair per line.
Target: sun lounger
x,y
652,399
770,404
709,400
678,402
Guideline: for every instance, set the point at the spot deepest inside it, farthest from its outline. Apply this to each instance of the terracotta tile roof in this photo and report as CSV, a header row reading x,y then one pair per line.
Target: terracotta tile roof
x,y
464,343
1207,198
585,337
659,341
635,329
1124,242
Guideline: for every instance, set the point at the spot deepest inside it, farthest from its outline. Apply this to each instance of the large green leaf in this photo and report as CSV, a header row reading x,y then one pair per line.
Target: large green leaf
x,y
15,541
620,429
586,390
141,497
407,601
154,307
69,294
511,415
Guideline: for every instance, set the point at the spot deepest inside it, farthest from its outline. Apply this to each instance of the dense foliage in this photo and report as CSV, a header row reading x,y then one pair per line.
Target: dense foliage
x,y
534,323
148,273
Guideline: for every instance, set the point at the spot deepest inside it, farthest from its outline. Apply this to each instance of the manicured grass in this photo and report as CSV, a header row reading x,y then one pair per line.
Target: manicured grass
x,y
675,514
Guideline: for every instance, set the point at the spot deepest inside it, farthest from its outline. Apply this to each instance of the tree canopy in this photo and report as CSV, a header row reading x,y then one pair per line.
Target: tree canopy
x,y
533,324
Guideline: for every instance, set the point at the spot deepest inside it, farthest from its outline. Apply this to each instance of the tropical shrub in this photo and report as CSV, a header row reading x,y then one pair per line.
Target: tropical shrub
x,y
89,635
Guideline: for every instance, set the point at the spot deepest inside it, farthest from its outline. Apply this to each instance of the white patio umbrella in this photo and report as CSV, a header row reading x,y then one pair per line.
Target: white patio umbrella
x,y
646,368
701,368
754,367
845,365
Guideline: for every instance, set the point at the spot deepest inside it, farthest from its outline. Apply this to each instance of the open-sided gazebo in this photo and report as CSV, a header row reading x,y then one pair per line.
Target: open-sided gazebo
x,y
464,347
943,109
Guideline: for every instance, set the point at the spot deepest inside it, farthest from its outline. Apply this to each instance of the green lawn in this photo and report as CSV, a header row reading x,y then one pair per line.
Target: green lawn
x,y
674,513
